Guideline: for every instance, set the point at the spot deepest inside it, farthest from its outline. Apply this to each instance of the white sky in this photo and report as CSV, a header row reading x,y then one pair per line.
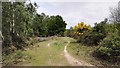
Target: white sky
x,y
75,11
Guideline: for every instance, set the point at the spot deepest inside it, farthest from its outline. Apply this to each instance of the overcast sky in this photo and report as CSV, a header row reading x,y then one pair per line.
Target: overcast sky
x,y
75,11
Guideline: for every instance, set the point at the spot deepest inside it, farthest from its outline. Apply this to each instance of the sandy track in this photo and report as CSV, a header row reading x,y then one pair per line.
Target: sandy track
x,y
72,61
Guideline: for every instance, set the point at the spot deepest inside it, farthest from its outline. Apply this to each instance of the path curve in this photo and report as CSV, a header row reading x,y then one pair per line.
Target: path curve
x,y
72,61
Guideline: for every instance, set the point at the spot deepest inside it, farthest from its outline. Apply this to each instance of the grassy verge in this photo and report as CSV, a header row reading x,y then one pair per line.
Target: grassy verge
x,y
19,55
14,58
43,55
85,53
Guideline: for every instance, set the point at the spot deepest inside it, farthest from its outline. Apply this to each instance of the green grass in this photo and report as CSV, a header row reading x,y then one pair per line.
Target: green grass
x,y
82,52
85,53
13,58
44,55
40,54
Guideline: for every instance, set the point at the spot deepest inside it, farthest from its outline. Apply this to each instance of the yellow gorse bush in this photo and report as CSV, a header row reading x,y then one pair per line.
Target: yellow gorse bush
x,y
81,27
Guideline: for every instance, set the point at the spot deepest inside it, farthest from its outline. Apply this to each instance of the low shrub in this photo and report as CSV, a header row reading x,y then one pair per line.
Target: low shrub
x,y
95,35
110,48
93,38
12,58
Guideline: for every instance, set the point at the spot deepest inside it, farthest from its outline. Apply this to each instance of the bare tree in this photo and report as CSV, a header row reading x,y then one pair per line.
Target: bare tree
x,y
115,13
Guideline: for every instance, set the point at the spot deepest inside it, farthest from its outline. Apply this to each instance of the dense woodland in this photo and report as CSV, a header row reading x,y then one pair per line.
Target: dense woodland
x,y
20,21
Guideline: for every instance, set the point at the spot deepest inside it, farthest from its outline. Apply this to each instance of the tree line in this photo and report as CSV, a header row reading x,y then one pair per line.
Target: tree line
x,y
20,20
